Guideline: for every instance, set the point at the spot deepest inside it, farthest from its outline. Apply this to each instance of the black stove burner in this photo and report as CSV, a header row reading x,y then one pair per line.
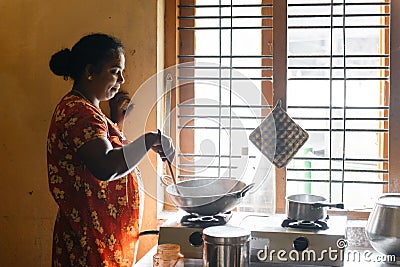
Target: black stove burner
x,y
203,221
309,225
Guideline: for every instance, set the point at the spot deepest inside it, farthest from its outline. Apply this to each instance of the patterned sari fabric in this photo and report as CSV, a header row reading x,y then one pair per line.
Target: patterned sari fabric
x,y
98,222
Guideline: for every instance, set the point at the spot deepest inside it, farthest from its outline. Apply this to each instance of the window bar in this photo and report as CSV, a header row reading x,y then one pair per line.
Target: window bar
x,y
206,166
337,56
339,27
339,68
220,6
225,17
216,128
228,78
230,91
338,181
230,28
339,159
310,130
336,119
337,170
223,106
326,107
339,15
334,79
226,68
223,117
227,56
330,103
220,88
201,177
349,130
212,156
339,4
344,96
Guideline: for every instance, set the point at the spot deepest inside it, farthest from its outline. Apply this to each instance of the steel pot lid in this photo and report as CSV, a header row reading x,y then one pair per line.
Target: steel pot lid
x,y
389,200
226,235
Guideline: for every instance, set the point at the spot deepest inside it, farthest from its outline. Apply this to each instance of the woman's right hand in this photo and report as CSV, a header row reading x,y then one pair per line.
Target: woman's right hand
x,y
120,106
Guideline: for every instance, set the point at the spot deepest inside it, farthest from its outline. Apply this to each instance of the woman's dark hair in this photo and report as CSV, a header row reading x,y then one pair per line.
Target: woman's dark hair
x,y
95,49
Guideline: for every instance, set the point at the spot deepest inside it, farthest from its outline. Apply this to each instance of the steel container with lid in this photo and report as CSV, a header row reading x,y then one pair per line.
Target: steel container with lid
x,y
226,246
383,226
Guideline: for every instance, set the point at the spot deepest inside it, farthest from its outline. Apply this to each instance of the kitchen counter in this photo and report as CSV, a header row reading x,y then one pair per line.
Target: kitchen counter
x,y
357,253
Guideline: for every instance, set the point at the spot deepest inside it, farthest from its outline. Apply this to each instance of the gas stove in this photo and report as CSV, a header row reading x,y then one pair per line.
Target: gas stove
x,y
311,225
275,239
195,220
187,231
298,243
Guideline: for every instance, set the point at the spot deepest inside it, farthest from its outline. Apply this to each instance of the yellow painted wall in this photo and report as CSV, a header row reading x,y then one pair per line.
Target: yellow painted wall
x,y
31,31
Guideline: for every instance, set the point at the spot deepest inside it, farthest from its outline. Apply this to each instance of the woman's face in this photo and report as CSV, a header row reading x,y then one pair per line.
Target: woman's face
x,y
107,82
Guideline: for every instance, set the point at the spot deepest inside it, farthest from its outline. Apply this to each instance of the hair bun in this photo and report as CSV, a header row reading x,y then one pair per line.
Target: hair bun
x,y
60,63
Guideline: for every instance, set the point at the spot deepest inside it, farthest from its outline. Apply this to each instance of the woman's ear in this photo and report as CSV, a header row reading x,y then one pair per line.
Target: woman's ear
x,y
89,72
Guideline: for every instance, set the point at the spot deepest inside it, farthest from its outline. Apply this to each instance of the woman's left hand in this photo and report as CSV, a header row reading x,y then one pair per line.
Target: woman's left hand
x,y
120,106
161,144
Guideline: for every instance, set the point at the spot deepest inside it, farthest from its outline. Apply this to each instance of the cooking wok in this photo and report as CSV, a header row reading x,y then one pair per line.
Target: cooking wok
x,y
207,196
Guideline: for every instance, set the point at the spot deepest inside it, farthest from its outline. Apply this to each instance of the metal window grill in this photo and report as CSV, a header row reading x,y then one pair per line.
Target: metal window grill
x,y
225,69
224,44
345,66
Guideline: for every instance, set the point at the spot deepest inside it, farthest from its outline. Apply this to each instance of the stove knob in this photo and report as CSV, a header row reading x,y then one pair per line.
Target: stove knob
x,y
196,239
300,243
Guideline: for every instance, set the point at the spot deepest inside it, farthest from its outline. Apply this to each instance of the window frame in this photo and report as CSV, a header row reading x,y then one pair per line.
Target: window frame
x,y
173,48
394,111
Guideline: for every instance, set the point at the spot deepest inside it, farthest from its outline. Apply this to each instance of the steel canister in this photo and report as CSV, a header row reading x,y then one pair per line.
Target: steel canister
x,y
226,246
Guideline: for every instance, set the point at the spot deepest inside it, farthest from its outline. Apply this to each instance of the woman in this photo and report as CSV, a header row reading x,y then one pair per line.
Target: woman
x,y
90,163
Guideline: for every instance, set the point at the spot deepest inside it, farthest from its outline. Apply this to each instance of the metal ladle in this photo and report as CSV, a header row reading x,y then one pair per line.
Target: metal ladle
x,y
170,169
173,177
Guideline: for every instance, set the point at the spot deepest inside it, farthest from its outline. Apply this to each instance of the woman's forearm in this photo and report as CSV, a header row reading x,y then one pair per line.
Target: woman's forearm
x,y
133,153
108,163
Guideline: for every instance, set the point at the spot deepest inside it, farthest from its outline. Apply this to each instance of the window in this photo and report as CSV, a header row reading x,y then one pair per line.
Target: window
x,y
338,53
328,61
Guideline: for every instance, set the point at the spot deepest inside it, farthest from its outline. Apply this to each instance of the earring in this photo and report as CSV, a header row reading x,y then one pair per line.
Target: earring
x,y
90,77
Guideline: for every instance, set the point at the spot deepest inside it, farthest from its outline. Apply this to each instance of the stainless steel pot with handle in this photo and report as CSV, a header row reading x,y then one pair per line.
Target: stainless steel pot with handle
x,y
306,207
207,196
383,226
